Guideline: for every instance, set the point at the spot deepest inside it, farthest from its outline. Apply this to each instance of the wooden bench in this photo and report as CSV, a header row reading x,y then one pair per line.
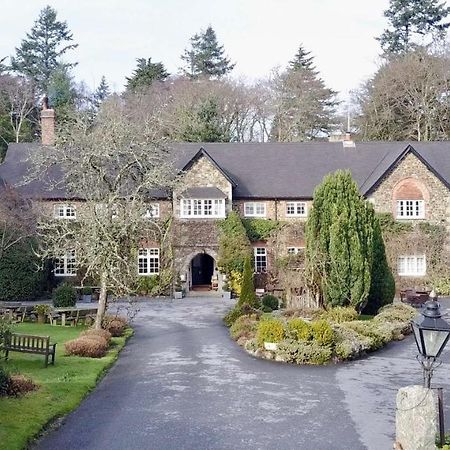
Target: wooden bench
x,y
23,343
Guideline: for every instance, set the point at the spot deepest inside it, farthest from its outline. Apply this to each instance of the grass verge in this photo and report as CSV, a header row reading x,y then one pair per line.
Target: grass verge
x,y
62,387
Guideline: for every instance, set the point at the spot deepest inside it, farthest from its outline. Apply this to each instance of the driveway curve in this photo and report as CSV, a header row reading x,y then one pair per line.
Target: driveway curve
x,y
182,383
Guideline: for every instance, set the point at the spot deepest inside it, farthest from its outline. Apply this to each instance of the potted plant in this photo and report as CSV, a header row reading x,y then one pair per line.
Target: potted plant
x,y
178,289
226,292
41,311
86,294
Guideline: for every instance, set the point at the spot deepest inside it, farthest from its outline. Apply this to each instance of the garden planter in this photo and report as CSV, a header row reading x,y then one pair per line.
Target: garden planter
x,y
178,294
86,298
226,295
271,346
41,318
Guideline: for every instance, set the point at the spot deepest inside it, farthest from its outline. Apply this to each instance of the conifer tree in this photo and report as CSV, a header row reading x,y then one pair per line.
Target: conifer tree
x,y
145,74
101,93
248,295
206,57
305,107
339,236
412,19
41,51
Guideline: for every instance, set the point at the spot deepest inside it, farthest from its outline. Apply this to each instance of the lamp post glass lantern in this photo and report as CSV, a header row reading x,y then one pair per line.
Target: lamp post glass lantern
x,y
431,333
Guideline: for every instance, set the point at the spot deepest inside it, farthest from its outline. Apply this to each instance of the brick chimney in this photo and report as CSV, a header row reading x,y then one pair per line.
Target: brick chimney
x,y
47,124
348,142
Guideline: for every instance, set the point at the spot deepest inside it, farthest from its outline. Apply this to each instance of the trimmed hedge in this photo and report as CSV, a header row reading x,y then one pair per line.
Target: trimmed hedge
x,y
64,296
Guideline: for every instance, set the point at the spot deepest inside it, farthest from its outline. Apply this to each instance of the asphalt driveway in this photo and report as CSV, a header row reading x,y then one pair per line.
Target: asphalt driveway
x,y
181,383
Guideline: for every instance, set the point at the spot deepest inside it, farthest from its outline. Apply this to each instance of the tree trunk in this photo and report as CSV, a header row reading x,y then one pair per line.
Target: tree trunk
x,y
101,302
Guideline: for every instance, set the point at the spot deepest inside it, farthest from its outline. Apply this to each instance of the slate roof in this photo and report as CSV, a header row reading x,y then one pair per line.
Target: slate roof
x,y
273,170
203,192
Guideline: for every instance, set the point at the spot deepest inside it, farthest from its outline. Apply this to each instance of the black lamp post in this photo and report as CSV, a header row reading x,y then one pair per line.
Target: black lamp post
x,y
431,333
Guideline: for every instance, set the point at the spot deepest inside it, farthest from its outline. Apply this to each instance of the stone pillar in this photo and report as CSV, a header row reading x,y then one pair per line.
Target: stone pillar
x,y
416,418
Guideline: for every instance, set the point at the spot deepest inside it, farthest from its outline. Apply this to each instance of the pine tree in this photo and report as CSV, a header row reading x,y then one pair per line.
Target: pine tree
x,y
412,19
40,53
382,286
339,236
101,93
61,89
206,57
145,74
305,106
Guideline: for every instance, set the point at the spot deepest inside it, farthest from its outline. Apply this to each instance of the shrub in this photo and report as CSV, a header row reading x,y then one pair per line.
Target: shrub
x,y
5,381
103,333
42,308
244,327
299,330
270,302
322,332
116,328
64,296
378,336
83,346
348,343
271,330
306,313
19,279
20,384
303,352
340,314
396,313
97,338
232,316
6,326
248,296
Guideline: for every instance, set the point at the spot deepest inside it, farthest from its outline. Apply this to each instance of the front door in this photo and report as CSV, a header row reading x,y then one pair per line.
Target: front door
x,y
202,270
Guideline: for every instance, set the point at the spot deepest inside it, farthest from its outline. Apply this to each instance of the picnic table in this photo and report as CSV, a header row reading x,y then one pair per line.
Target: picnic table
x,y
72,314
413,297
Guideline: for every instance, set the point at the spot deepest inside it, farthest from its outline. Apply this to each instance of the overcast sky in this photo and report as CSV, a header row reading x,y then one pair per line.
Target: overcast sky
x,y
257,34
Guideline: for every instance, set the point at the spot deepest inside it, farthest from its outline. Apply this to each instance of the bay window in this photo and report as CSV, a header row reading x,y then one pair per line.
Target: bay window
x,y
202,208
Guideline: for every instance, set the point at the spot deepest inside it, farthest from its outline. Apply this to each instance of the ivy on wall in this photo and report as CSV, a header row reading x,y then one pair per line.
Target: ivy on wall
x,y
260,229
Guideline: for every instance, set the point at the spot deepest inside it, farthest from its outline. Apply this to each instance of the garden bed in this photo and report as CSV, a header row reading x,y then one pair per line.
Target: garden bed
x,y
320,337
60,387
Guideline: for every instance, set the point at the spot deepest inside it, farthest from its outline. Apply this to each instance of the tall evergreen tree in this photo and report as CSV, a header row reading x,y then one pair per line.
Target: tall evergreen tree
x,y
2,66
248,295
145,74
206,57
41,52
412,19
339,236
101,93
305,107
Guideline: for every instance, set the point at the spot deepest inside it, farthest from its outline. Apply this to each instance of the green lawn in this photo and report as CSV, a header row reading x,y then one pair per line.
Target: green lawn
x,y
62,387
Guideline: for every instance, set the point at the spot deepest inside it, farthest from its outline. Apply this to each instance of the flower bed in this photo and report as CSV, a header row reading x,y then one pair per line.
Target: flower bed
x,y
320,337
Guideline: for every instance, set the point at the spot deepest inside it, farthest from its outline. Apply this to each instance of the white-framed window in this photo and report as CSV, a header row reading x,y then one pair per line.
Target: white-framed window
x,y
148,261
65,266
260,259
296,209
410,209
295,250
63,211
202,208
255,209
412,266
152,211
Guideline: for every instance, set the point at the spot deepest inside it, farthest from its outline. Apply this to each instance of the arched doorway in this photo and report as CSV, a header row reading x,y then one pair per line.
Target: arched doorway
x,y
202,269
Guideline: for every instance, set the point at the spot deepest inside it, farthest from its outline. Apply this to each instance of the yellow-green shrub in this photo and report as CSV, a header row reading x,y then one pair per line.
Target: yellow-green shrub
x,y
299,329
396,313
301,352
378,335
244,326
322,332
340,314
271,330
348,343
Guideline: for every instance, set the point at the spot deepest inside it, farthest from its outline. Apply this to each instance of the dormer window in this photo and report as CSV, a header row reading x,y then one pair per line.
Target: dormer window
x,y
202,208
410,209
64,211
255,209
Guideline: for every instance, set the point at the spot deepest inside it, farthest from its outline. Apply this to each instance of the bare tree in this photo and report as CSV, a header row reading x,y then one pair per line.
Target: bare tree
x,y
111,164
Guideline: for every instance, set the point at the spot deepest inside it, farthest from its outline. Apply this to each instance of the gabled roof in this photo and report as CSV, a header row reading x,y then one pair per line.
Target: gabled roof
x,y
203,153
208,192
272,170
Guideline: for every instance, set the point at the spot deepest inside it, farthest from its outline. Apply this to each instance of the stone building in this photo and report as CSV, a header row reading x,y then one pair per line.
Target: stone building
x,y
273,182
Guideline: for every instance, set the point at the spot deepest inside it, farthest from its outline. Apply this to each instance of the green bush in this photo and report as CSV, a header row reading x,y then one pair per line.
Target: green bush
x,y
396,313
299,330
244,327
260,229
441,285
271,330
322,332
340,314
248,296
348,343
303,352
5,382
20,278
232,316
64,296
149,285
270,302
378,335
